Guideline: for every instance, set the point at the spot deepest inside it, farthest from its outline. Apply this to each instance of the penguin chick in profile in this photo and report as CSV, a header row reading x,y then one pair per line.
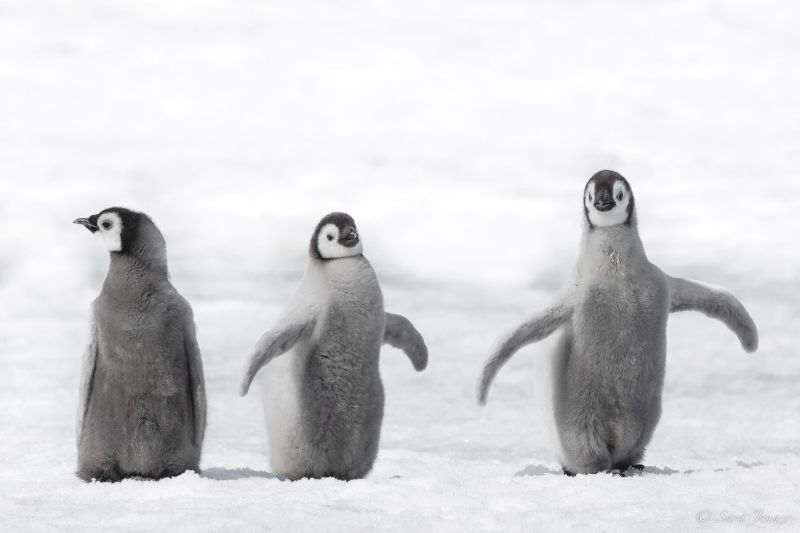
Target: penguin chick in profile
x,y
142,404
323,401
610,361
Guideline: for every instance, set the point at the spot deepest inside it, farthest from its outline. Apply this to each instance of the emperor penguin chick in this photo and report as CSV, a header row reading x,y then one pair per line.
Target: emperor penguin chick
x,y
142,404
613,315
323,401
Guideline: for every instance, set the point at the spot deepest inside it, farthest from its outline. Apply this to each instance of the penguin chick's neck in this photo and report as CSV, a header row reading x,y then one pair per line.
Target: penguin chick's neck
x,y
342,273
131,273
611,251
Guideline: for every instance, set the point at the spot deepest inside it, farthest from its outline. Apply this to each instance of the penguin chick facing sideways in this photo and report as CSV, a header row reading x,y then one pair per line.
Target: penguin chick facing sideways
x,y
323,401
142,404
610,361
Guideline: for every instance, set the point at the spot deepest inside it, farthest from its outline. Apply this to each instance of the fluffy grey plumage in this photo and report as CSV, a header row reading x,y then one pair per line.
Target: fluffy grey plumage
x,y
324,400
142,406
610,365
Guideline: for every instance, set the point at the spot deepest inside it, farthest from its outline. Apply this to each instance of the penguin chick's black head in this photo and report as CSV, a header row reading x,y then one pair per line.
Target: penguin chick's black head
x,y
120,228
608,200
335,237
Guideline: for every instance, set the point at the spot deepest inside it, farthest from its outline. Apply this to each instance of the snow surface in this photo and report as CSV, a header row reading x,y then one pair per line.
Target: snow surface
x,y
459,135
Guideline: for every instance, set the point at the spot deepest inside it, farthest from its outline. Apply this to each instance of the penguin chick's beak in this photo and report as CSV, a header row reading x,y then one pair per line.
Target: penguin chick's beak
x,y
349,237
604,206
85,222
604,201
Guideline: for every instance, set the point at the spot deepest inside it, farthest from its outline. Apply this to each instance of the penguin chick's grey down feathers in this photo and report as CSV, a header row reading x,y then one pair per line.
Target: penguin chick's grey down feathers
x,y
610,359
324,401
142,405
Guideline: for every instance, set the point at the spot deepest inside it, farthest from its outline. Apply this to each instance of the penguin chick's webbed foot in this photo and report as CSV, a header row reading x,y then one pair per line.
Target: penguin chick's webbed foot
x,y
627,471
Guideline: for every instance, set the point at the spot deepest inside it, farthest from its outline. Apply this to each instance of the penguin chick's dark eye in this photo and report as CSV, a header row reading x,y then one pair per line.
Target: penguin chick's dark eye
x,y
619,196
330,237
106,224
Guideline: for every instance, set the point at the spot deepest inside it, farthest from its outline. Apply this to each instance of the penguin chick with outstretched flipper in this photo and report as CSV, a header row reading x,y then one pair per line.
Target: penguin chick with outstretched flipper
x,y
142,404
324,401
611,356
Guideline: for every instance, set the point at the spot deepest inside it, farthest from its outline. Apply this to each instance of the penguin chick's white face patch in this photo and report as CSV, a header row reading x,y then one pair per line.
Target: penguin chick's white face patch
x,y
613,216
330,247
109,228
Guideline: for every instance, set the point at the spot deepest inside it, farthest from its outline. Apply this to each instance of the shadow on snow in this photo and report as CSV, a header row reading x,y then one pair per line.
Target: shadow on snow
x,y
228,474
541,470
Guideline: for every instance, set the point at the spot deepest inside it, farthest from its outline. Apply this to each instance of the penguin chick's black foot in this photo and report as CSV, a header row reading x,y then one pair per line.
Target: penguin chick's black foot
x,y
631,470
106,473
568,472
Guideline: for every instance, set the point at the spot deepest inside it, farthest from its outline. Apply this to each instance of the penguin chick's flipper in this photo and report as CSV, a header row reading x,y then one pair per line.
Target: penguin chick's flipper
x,y
535,329
402,334
274,343
714,302
87,377
197,380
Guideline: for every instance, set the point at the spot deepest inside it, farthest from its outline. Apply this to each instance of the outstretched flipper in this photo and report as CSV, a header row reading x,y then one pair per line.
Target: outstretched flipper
x,y
537,328
714,302
400,333
88,363
272,344
197,383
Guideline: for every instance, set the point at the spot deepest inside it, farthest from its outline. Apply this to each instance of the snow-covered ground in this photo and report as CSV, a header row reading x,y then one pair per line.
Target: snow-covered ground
x,y
459,135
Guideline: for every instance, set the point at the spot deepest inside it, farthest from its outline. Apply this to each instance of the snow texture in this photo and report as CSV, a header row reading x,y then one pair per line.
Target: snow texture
x,y
459,135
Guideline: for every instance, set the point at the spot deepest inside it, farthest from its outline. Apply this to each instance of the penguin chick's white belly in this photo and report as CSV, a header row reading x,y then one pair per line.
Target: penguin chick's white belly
x,y
281,386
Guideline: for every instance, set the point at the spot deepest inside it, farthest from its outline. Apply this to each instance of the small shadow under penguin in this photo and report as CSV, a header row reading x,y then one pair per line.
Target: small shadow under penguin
x,y
541,470
229,474
538,470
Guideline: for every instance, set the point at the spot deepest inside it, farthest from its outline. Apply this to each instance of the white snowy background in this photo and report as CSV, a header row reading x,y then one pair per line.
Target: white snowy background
x,y
459,134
